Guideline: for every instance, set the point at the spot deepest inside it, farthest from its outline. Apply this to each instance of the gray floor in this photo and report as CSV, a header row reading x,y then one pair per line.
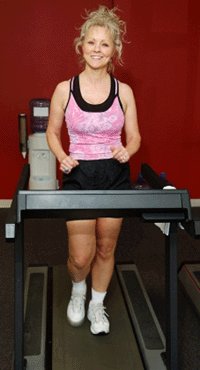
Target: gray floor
x,y
140,243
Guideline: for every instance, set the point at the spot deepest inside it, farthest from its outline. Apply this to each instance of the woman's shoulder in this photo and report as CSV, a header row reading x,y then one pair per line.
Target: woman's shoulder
x,y
124,88
63,86
61,93
126,93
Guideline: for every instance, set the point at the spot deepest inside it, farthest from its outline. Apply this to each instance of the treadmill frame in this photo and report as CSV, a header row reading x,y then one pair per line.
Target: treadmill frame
x,y
151,205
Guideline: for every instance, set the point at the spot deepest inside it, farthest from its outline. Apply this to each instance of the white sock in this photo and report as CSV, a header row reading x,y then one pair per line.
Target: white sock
x,y
98,297
79,287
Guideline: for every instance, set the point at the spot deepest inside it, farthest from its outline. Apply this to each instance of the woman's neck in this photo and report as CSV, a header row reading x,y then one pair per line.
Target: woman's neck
x,y
94,87
95,76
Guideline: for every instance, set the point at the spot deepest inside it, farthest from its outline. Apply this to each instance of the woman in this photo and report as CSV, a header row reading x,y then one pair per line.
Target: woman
x,y
96,107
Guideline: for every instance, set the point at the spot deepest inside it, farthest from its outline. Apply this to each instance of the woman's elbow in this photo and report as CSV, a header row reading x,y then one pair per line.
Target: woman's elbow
x,y
139,140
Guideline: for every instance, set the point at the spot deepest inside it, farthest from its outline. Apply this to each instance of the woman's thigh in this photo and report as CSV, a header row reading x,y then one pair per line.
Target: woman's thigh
x,y
81,238
107,231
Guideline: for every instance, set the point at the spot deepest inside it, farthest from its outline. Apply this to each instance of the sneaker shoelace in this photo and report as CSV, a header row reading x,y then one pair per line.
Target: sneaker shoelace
x,y
77,301
99,313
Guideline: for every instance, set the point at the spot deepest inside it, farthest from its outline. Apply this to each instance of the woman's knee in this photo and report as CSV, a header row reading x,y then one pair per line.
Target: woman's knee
x,y
108,230
80,261
105,251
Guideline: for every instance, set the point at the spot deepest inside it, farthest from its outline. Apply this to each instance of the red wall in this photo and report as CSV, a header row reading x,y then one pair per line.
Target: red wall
x,y
161,63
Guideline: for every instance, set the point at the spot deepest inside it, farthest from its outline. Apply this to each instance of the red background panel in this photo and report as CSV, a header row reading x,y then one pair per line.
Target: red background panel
x,y
161,63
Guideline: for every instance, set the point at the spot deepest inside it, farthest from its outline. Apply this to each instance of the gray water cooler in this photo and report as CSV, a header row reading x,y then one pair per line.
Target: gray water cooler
x,y
41,160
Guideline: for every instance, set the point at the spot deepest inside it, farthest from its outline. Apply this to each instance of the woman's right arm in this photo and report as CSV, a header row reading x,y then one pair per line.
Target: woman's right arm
x,y
56,117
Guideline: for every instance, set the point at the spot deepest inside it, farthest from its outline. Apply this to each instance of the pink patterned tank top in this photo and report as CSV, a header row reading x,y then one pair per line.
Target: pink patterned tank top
x,y
93,129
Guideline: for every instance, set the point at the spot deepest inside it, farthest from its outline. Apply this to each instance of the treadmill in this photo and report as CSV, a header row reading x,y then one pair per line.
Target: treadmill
x,y
137,341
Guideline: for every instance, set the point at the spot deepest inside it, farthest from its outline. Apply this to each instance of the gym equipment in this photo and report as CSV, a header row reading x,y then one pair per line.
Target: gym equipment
x,y
35,320
149,333
189,276
152,205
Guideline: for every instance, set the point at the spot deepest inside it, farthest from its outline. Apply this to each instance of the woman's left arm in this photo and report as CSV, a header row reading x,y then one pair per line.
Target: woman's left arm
x,y
132,133
133,138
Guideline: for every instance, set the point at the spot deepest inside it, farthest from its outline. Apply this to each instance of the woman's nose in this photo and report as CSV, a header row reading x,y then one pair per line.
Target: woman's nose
x,y
96,47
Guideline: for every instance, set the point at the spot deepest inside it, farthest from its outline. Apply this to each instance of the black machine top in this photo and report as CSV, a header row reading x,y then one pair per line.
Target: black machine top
x,y
155,205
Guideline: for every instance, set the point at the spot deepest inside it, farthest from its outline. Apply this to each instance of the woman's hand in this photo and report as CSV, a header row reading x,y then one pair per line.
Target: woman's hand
x,y
67,164
121,154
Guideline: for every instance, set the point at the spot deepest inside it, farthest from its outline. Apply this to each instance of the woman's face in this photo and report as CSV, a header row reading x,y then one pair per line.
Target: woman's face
x,y
98,47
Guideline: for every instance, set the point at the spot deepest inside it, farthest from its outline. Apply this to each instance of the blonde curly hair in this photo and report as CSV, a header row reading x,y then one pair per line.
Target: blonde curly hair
x,y
103,17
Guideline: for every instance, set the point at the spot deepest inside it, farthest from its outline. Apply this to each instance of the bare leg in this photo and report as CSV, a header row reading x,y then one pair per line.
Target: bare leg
x,y
107,231
82,247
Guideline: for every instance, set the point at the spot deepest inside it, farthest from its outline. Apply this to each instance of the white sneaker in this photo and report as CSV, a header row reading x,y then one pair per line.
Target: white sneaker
x,y
76,309
98,318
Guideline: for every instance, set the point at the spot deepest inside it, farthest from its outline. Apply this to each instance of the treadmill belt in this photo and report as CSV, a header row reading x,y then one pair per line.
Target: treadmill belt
x,y
76,348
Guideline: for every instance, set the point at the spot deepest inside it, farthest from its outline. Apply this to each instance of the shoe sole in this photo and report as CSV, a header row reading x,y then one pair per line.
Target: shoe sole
x,y
75,324
101,334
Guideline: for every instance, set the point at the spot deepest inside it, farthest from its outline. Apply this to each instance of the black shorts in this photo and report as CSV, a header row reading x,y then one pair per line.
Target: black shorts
x,y
103,174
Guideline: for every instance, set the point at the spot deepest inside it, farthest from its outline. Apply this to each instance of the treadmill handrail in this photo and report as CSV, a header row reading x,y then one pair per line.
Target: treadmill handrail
x,y
12,212
104,199
161,205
